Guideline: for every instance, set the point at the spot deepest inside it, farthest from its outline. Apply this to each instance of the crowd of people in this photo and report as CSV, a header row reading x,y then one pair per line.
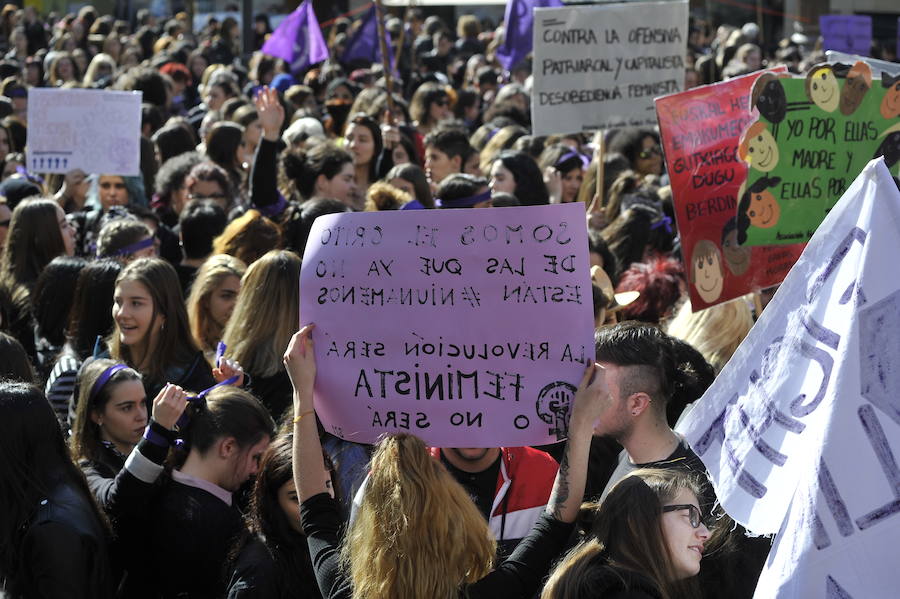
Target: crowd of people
x,y
158,435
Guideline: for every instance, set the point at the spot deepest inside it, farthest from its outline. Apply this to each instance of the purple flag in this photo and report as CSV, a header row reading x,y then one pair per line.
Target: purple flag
x,y
298,40
364,43
519,21
847,33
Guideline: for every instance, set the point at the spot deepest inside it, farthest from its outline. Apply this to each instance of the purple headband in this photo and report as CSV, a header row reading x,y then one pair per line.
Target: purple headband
x,y
463,202
665,221
103,379
130,249
585,161
200,398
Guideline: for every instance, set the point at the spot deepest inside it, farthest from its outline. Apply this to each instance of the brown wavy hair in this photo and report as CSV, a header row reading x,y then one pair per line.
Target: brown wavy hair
x,y
417,533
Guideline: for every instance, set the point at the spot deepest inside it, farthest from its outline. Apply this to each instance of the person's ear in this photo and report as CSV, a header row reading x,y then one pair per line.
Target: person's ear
x,y
227,447
321,183
457,162
96,417
638,403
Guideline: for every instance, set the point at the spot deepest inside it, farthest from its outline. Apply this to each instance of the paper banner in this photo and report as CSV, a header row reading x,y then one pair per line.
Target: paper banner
x,y
468,328
813,136
801,429
98,131
700,129
599,67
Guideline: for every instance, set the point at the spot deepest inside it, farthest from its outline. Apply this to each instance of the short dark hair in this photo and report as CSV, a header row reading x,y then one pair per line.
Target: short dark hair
x,y
118,234
460,185
201,221
643,346
452,141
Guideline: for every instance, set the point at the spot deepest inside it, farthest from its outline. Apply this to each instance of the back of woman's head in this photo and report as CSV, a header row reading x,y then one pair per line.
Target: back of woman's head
x,y
417,533
94,387
580,575
174,344
173,140
715,332
248,237
33,240
629,234
227,411
660,282
119,238
211,274
222,143
15,364
257,334
91,314
53,295
530,189
301,217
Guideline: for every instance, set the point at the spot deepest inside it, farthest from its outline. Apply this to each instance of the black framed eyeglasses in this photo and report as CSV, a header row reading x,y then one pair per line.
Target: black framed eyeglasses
x,y
5,223
695,515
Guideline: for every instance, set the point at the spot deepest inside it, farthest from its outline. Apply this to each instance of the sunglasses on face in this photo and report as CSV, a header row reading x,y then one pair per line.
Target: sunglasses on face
x,y
5,223
696,517
645,154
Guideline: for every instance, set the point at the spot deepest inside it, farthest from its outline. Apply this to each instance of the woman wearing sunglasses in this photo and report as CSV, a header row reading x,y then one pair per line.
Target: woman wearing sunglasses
x,y
646,542
641,148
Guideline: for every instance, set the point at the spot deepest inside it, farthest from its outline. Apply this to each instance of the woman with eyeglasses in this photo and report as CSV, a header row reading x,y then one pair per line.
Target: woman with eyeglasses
x,y
209,181
641,148
646,542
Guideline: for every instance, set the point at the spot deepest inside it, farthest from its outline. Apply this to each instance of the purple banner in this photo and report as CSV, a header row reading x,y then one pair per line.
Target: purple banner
x,y
467,328
847,33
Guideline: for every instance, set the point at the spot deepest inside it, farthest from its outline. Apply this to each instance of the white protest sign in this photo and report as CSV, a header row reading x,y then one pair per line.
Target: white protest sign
x,y
801,428
467,328
600,67
98,131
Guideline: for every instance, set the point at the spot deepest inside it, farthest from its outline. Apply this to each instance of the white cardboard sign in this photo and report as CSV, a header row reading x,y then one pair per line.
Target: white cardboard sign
x,y
98,131
600,67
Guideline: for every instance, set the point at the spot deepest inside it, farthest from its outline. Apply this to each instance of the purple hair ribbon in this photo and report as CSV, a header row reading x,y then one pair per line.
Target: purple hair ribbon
x,y
464,202
585,161
103,379
665,221
220,352
130,249
201,398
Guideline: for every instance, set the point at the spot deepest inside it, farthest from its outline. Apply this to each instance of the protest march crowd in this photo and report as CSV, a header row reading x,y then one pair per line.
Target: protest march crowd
x,y
158,435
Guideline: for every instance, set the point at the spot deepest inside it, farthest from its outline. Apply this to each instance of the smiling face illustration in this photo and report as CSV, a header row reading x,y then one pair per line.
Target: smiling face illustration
x,y
763,211
759,148
823,89
890,104
737,258
706,271
859,81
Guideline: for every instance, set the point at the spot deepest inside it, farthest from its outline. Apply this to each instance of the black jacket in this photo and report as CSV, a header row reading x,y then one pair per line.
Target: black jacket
x,y
64,550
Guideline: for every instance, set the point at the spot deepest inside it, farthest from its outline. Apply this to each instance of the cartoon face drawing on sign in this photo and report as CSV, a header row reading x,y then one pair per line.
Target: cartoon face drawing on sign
x,y
758,207
859,81
890,147
758,148
554,404
737,257
769,98
890,104
706,272
822,88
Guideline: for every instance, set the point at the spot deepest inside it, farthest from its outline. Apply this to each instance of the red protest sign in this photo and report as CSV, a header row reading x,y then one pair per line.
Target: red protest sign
x,y
700,130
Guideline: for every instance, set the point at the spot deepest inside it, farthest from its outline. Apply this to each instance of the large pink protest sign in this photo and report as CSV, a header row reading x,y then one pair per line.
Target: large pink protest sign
x,y
468,328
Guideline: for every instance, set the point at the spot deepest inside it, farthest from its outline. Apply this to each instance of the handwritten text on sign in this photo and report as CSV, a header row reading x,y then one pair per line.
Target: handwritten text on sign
x,y
599,67
98,131
464,327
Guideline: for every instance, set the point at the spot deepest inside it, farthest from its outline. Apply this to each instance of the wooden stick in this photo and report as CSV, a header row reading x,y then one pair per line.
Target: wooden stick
x,y
597,200
385,60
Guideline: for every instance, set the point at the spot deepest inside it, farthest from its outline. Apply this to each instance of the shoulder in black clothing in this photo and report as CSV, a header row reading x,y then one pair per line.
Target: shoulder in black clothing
x,y
274,392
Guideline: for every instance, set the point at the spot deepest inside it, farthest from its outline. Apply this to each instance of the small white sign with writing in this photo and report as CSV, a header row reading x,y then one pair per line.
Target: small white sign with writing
x,y
600,67
801,430
98,131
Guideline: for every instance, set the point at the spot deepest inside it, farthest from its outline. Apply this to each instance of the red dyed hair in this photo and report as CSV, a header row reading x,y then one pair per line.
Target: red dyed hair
x,y
660,281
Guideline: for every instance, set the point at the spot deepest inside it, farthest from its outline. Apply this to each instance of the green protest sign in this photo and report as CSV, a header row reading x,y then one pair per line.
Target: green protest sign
x,y
813,137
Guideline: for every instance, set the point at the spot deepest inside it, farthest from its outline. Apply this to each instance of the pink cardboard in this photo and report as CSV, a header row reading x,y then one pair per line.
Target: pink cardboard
x,y
467,328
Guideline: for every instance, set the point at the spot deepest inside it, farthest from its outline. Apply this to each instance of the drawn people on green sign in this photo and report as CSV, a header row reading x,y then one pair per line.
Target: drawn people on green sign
x,y
822,88
758,207
758,147
890,104
707,274
737,257
890,147
859,82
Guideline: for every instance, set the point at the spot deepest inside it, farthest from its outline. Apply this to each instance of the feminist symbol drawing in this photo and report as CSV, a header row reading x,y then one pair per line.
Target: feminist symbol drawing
x,y
554,404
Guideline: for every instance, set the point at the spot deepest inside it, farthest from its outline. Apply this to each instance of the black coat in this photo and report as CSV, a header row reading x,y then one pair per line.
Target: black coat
x,y
64,549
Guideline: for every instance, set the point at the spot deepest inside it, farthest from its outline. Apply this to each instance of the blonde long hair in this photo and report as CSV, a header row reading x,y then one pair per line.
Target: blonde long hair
x,y
418,533
715,332
212,273
266,314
